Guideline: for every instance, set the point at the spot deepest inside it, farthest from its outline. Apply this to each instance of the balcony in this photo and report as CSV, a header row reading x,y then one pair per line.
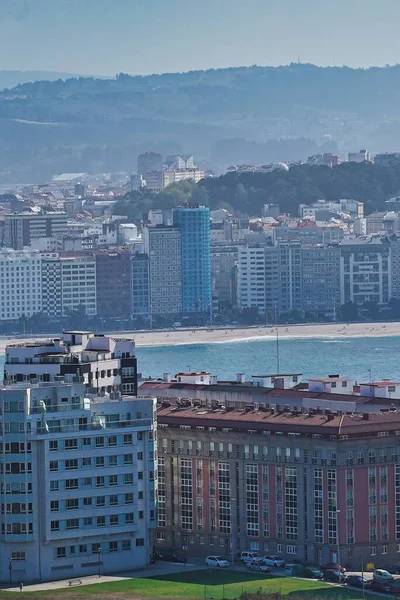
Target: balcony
x,y
43,429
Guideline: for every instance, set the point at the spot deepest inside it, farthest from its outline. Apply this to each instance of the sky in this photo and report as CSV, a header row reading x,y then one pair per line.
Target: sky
x,y
105,37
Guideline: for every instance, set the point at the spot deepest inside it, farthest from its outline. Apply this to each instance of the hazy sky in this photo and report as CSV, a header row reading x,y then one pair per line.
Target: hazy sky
x,y
152,36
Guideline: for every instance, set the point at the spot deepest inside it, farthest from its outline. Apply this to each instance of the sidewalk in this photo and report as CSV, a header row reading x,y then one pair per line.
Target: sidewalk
x,y
160,568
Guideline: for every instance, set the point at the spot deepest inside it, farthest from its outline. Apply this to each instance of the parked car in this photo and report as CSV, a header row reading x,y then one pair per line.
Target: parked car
x,y
385,587
334,576
312,573
217,561
274,561
382,575
169,556
334,567
248,557
393,569
258,565
357,581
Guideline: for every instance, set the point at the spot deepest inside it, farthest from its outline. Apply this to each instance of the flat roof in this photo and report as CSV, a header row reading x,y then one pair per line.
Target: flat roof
x,y
381,383
278,375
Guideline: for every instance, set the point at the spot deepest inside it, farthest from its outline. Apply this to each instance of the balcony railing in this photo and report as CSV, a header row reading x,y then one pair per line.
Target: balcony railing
x,y
44,429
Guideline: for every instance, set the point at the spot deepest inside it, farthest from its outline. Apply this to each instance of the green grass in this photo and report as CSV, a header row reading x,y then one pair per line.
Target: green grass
x,y
194,584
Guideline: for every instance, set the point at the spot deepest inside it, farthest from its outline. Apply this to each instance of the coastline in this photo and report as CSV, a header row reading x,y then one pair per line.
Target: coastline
x,y
219,335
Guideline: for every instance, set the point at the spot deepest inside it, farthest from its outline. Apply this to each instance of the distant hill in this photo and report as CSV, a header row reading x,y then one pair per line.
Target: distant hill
x,y
9,79
223,116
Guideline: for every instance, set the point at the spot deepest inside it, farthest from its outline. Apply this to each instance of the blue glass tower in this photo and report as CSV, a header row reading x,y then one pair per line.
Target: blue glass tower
x,y
194,224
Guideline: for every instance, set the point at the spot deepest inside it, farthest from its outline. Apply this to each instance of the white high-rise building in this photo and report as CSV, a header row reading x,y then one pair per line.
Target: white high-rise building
x,y
78,281
79,482
20,284
251,277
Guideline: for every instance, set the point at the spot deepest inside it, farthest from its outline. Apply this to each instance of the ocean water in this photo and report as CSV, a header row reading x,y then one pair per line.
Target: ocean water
x,y
359,358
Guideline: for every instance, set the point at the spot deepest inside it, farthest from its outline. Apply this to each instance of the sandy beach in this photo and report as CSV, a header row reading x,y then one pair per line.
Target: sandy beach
x,y
178,337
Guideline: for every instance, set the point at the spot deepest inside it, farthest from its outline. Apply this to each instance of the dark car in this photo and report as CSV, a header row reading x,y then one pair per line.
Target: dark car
x,y
357,581
312,573
333,567
169,557
393,569
385,587
334,576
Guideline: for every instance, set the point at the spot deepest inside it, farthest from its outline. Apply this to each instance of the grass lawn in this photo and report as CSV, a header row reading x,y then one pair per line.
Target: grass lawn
x,y
202,584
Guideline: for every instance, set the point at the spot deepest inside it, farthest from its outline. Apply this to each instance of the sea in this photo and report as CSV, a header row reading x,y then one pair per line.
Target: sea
x,y
363,358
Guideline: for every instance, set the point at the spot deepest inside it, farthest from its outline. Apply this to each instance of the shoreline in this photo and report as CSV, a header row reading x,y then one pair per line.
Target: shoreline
x,y
182,337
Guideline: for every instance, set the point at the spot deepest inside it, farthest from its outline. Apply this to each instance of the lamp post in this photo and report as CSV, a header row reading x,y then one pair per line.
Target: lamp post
x,y
99,560
10,569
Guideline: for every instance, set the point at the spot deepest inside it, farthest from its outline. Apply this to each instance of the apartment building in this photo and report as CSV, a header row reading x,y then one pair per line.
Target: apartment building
x,y
365,269
321,279
163,247
193,222
251,281
20,284
51,285
290,484
21,228
106,364
290,276
78,482
224,258
113,283
140,285
78,282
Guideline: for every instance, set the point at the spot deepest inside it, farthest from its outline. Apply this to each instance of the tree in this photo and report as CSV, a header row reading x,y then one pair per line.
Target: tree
x,y
372,309
349,312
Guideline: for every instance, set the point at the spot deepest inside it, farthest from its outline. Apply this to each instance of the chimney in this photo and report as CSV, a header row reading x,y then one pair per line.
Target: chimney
x,y
240,378
167,377
365,416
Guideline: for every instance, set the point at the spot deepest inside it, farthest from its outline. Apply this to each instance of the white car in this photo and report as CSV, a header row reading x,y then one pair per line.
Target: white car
x,y
274,561
249,557
217,561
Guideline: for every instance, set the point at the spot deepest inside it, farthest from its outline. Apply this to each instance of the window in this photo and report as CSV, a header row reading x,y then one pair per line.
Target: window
x,y
139,541
87,501
128,459
127,439
61,552
99,461
71,484
291,549
71,463
140,475
71,444
140,455
141,495
114,500
86,462
72,524
113,546
19,555
54,465
141,514
87,521
129,518
279,548
373,551
87,482
54,486
384,549
160,535
113,520
100,501
100,482
72,504
128,498
54,505
112,461
113,480
101,521
128,479
54,525
112,440
99,442
83,549
53,446
86,442
126,544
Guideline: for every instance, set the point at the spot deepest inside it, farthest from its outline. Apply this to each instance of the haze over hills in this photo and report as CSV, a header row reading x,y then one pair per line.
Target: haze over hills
x,y
223,116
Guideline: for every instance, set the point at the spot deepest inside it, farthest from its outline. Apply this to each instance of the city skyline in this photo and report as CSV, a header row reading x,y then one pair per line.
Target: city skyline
x,y
115,37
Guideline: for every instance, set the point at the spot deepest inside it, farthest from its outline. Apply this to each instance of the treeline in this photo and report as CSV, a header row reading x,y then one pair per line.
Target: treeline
x,y
245,193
